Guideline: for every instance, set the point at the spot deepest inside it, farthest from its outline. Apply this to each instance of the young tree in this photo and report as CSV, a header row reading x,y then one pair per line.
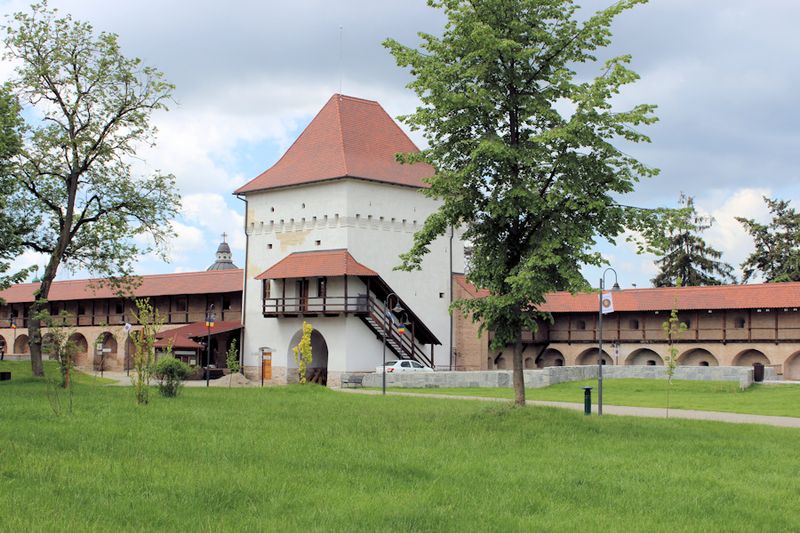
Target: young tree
x,y
523,151
74,172
302,352
673,329
777,253
144,353
688,257
232,360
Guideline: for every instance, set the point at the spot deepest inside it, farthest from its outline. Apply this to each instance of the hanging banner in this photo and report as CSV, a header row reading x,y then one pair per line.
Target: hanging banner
x,y
606,303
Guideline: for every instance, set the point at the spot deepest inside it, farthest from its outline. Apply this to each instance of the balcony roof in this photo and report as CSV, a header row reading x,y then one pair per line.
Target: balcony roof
x,y
317,264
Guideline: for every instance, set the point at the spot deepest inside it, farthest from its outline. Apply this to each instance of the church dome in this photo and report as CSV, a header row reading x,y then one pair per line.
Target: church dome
x,y
224,257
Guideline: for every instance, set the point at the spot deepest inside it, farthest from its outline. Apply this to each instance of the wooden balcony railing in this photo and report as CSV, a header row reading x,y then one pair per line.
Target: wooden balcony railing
x,y
315,305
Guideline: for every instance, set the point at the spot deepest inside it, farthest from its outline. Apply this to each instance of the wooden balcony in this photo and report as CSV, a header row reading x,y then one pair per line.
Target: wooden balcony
x,y
316,306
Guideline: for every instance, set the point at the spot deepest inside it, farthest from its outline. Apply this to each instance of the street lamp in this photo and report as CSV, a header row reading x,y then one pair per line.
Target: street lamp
x,y
386,318
210,316
600,337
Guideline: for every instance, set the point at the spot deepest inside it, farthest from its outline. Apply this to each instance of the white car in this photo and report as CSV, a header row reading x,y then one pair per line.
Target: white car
x,y
403,366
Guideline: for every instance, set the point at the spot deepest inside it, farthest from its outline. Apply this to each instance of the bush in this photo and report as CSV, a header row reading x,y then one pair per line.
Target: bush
x,y
171,372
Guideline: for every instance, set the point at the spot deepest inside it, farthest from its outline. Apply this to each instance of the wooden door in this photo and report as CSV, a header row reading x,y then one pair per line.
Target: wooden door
x,y
266,366
302,295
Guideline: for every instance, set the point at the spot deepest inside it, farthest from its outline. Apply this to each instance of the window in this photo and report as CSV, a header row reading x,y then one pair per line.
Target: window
x,y
271,209
269,246
81,308
227,302
180,305
688,323
302,206
634,324
119,307
739,323
651,362
580,324
441,295
317,243
703,363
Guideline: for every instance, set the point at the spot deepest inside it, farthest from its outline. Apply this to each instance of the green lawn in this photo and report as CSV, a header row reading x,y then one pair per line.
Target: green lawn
x,y
777,400
306,458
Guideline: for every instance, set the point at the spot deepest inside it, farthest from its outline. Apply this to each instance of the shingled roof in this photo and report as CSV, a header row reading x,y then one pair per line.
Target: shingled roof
x,y
316,264
349,138
215,281
756,296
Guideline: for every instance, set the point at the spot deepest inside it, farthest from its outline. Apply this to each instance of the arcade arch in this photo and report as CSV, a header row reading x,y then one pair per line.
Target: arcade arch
x,y
589,357
105,350
21,345
750,357
791,368
644,357
317,371
81,349
697,357
550,357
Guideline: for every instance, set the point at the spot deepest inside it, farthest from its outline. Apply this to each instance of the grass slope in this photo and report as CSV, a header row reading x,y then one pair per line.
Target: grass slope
x,y
306,458
776,400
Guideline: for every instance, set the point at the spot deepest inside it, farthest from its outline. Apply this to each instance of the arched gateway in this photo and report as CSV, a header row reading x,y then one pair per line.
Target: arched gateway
x,y
317,371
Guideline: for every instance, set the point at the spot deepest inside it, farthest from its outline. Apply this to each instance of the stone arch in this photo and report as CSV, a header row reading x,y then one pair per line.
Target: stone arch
x,y
791,368
81,349
644,357
697,357
550,357
21,345
317,371
750,357
529,364
589,357
105,350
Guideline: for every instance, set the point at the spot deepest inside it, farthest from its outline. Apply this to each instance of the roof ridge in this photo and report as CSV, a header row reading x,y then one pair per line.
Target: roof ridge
x,y
341,132
356,98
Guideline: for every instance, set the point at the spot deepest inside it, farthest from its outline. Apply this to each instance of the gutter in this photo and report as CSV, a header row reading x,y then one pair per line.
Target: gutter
x,y
244,284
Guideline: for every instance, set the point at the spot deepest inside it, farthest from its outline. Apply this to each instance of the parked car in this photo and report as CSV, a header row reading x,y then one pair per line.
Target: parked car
x,y
403,366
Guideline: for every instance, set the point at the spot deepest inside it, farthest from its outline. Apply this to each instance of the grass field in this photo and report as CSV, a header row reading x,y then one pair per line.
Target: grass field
x,y
775,400
307,458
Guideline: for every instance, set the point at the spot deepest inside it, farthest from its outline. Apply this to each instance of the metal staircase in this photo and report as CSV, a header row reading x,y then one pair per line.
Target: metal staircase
x,y
404,345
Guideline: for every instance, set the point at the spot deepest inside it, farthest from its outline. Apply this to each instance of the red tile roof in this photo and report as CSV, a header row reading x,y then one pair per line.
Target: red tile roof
x,y
183,337
757,296
316,264
349,137
209,282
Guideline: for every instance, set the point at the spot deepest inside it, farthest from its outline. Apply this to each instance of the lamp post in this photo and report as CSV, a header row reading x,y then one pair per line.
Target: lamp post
x,y
397,309
600,339
210,316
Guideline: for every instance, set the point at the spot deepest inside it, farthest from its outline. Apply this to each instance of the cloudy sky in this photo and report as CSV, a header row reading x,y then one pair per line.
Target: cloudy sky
x,y
251,75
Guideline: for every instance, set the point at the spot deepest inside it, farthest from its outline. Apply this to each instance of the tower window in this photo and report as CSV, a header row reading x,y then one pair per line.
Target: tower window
x,y
269,246
318,243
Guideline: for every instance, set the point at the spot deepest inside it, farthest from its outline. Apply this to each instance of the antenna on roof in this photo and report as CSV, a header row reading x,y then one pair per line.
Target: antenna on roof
x,y
341,62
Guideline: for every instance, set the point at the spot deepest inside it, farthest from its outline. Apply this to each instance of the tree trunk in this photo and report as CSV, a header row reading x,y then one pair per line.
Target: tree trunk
x,y
518,376
35,343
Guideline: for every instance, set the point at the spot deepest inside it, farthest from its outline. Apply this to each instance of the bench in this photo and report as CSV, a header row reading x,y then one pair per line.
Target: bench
x,y
353,380
5,376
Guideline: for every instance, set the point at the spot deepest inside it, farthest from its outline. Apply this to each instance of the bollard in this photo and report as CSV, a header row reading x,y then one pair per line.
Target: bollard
x,y
587,401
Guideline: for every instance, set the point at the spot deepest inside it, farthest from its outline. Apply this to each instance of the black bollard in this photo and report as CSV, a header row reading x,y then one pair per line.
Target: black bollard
x,y
587,401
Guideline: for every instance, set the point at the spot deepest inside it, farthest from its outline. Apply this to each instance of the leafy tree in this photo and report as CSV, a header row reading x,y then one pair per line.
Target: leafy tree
x,y
11,229
687,256
777,253
144,353
171,373
74,175
302,352
523,151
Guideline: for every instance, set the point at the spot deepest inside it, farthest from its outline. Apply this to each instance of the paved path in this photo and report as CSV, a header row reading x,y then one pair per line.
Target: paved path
x,y
620,410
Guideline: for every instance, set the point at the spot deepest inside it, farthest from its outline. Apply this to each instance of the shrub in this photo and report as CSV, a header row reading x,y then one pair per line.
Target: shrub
x,y
171,372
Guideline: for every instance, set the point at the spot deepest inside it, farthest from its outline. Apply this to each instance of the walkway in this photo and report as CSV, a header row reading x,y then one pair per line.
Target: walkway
x,y
621,410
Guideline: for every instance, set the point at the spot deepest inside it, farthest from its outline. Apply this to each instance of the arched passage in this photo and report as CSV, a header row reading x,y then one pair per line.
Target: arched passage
x,y
791,368
550,357
81,346
644,357
589,357
4,346
317,371
697,357
750,357
21,345
105,350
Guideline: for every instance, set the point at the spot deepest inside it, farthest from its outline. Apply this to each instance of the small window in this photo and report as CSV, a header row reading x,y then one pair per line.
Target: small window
x,y
317,243
269,246
634,324
740,323
650,362
302,206
441,295
227,302
81,308
580,324
180,305
271,209
119,308
703,363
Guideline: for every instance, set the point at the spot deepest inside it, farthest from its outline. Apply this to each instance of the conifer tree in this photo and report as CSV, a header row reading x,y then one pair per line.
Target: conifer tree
x,y
777,253
688,257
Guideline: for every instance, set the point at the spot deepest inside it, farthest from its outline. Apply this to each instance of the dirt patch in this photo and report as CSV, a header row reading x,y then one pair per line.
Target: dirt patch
x,y
231,380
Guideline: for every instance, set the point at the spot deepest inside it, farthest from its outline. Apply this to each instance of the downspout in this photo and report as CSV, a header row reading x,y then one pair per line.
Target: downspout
x,y
450,312
244,286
